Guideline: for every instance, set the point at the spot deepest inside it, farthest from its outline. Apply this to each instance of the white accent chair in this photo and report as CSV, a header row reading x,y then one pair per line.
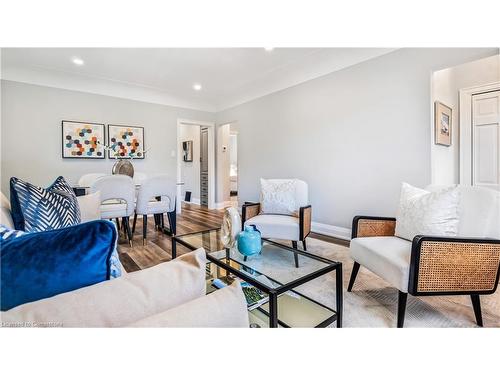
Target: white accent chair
x,y
117,199
156,197
429,265
282,227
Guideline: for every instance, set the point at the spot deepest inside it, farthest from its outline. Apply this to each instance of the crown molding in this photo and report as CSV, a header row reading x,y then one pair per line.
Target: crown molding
x,y
100,86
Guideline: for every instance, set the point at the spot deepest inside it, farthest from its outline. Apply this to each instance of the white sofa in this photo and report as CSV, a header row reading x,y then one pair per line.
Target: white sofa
x,y
430,265
171,294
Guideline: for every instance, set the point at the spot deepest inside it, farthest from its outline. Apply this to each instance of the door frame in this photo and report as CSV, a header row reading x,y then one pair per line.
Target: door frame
x,y
211,160
465,128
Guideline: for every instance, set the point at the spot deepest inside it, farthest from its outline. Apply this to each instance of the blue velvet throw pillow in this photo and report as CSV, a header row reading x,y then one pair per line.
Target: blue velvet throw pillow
x,y
37,209
44,264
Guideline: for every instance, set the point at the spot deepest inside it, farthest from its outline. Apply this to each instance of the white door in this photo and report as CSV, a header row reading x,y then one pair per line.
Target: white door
x,y
486,140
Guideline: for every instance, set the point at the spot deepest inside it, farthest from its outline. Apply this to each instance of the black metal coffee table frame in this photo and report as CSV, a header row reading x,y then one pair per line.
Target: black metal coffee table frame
x,y
275,292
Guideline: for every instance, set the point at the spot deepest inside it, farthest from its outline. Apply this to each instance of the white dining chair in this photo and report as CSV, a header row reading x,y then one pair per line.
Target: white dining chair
x,y
164,189
139,178
117,199
87,180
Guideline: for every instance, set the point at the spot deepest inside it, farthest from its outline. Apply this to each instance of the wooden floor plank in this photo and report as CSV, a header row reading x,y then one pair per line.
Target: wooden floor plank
x,y
158,247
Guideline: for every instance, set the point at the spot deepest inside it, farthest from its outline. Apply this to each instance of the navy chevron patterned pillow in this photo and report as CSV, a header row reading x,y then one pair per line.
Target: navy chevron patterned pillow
x,y
37,209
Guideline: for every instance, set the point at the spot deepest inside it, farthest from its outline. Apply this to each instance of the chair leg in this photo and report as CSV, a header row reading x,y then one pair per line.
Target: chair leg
x,y
354,273
401,308
172,221
126,225
144,228
476,304
156,221
135,220
118,224
295,255
304,244
162,221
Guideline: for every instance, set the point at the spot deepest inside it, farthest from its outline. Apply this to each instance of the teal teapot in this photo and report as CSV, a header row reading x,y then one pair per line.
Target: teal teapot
x,y
249,241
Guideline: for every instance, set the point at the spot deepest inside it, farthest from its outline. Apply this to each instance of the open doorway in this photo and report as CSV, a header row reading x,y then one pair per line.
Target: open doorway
x,y
233,168
195,163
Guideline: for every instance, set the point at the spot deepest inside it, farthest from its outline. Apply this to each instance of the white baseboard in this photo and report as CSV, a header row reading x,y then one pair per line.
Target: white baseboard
x,y
331,230
221,205
194,201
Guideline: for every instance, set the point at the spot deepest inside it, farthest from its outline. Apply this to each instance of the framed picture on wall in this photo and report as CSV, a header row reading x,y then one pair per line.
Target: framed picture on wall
x,y
187,150
442,124
126,142
82,140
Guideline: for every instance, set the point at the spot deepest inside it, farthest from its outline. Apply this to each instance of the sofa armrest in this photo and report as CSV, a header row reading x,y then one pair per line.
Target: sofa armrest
x,y
454,265
249,210
305,216
371,226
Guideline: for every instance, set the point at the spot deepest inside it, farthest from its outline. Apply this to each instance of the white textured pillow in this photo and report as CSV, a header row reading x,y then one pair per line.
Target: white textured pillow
x,y
90,206
421,212
226,307
278,197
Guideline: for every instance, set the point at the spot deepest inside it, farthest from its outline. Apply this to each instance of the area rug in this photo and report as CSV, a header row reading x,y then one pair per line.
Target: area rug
x,y
373,302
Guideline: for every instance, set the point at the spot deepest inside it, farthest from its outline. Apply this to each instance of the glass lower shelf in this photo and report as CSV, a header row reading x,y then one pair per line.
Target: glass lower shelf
x,y
295,311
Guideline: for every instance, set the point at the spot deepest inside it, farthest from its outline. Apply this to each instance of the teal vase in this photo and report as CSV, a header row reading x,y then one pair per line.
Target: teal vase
x,y
249,241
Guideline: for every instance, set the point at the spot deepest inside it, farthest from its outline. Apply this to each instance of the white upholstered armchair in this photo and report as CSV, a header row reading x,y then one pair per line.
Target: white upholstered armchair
x,y
466,264
293,227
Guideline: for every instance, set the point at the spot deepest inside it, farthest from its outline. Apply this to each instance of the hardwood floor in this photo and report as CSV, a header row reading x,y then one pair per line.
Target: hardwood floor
x,y
158,248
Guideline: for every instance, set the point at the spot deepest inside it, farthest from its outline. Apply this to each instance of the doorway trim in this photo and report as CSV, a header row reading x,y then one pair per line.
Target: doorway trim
x,y
211,160
465,121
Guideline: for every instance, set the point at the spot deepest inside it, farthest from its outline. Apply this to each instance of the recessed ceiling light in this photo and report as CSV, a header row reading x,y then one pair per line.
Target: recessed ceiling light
x,y
77,61
197,86
268,49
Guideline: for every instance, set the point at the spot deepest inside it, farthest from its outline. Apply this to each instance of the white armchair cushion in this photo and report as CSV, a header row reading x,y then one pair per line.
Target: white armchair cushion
x,y
387,257
226,307
280,227
423,212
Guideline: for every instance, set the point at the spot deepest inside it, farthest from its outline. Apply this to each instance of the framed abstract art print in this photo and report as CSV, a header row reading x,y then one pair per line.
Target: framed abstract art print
x,y
82,140
126,142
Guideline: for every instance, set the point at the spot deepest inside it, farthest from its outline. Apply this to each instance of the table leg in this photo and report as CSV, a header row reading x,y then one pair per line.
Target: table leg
x,y
273,310
338,294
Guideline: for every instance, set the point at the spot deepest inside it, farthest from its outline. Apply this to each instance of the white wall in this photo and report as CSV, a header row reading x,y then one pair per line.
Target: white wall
x,y
446,84
353,135
31,131
223,161
190,171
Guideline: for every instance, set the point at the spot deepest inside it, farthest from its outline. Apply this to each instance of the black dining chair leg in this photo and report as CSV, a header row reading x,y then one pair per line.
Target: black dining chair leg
x,y
135,220
144,228
162,221
126,225
172,221
118,223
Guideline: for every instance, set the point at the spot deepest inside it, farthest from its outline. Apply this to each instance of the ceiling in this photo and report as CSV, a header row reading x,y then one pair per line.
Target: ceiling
x,y
229,76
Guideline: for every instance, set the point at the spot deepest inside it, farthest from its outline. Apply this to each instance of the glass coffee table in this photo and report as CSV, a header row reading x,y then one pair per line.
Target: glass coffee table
x,y
274,273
